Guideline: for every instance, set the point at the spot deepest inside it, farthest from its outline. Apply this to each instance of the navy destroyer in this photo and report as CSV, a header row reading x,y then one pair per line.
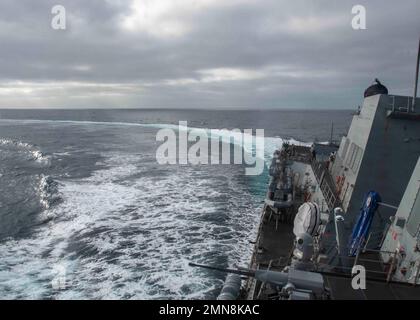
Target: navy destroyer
x,y
333,210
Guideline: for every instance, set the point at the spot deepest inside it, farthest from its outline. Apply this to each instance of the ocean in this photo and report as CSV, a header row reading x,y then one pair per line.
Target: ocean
x,y
87,212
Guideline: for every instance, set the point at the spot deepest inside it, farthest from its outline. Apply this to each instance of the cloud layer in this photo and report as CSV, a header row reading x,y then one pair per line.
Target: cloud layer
x,y
203,53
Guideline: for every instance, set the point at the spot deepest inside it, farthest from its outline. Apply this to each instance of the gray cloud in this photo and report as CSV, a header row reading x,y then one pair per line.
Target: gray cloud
x,y
203,54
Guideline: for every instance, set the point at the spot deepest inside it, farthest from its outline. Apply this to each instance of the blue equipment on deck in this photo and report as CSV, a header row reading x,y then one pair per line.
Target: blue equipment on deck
x,y
361,229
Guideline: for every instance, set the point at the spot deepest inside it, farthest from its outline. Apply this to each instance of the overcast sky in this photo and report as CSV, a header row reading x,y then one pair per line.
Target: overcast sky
x,y
204,53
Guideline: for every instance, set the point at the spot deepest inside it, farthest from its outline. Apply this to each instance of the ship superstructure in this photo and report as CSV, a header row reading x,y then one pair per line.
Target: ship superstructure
x,y
379,153
403,237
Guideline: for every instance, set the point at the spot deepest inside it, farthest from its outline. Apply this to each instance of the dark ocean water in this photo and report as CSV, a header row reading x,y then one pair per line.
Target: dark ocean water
x,y
84,201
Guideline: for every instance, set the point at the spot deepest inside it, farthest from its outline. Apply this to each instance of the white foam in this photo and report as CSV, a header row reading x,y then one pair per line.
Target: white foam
x,y
33,151
153,226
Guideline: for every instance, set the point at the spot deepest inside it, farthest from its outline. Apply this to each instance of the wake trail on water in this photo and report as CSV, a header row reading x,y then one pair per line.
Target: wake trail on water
x,y
250,143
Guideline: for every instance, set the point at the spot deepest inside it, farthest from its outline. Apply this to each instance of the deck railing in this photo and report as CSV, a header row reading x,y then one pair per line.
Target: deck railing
x,y
406,107
368,258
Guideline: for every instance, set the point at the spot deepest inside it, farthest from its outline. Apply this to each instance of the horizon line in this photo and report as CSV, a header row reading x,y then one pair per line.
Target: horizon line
x,y
181,108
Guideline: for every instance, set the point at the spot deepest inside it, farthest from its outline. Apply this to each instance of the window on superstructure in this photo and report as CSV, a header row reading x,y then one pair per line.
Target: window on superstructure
x,y
350,155
413,222
344,149
358,158
354,156
353,160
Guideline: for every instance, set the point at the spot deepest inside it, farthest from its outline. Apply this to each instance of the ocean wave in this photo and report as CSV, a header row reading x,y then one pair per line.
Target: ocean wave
x,y
48,191
34,153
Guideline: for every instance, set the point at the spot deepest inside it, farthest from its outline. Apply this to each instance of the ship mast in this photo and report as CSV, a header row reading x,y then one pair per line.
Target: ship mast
x,y
417,78
331,134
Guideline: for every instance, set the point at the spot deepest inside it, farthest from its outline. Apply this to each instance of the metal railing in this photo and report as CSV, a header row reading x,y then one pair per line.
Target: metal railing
x,y
406,108
373,265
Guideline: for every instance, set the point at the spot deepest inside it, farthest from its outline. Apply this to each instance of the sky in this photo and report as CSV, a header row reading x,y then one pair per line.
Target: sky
x,y
210,54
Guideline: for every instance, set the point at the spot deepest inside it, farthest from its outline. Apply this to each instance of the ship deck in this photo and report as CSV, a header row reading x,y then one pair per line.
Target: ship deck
x,y
274,253
341,289
275,238
275,242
